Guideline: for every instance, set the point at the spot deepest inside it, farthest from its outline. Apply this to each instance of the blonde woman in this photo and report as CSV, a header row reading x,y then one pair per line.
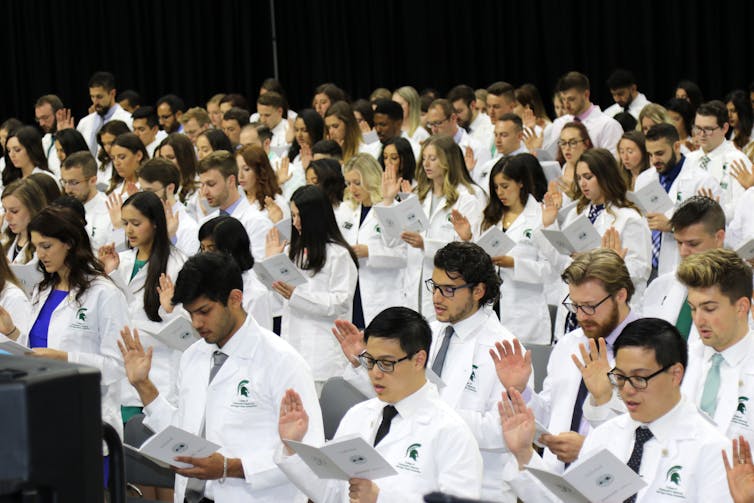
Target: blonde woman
x,y
408,99
652,114
443,185
380,267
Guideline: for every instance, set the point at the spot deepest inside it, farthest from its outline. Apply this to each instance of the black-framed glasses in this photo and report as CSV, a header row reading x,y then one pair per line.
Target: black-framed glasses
x,y
436,124
706,131
587,309
384,365
569,143
638,382
447,291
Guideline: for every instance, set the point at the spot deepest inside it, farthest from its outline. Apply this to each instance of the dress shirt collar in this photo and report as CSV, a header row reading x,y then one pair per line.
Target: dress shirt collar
x,y
240,344
467,328
415,402
735,354
230,209
611,338
667,179
584,116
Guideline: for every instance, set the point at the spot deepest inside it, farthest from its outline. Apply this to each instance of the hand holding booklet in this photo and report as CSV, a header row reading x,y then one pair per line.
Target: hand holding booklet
x,y
162,448
599,478
343,459
178,333
407,215
495,242
651,198
578,236
278,268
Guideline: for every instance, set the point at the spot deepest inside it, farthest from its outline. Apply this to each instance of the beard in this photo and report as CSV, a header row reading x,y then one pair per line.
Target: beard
x,y
668,166
594,330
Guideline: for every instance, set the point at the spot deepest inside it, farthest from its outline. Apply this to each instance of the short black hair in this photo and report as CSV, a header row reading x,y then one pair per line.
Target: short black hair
x,y
511,117
655,334
406,325
105,80
133,98
462,92
714,108
573,80
237,114
662,131
175,103
626,120
148,113
390,108
212,275
698,209
473,264
620,78
329,148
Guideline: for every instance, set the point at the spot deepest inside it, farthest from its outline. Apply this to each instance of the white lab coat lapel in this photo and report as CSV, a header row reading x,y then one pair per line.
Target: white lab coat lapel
x,y
457,376
527,220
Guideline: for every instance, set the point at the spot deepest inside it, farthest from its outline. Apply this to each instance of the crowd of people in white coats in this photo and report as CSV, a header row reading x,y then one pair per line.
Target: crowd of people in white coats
x,y
119,225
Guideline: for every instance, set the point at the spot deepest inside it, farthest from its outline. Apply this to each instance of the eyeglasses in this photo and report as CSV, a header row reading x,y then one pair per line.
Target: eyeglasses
x,y
382,364
637,382
587,309
704,131
436,123
447,291
71,183
569,143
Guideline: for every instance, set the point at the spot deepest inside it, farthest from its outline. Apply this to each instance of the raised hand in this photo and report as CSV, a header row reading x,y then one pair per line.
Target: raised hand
x,y
741,473
283,173
272,244
114,203
611,240
109,257
469,159
739,171
460,224
172,219
64,119
532,140
518,425
391,185
706,192
293,422
351,340
512,365
274,212
406,186
165,291
551,204
528,118
594,367
137,361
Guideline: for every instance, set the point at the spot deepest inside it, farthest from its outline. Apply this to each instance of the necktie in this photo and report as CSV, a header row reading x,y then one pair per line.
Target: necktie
x,y
683,323
712,386
440,356
634,462
578,407
195,487
388,413
704,161
656,243
594,212
224,213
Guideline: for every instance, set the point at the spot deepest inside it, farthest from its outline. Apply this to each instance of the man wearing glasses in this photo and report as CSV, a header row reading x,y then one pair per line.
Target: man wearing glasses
x,y
663,437
716,155
442,120
78,178
463,283
600,288
421,436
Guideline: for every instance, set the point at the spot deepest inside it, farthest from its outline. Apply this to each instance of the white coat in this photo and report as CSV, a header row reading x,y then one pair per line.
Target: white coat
x,y
244,425
256,299
687,184
685,445
420,263
634,234
734,414
309,315
164,360
14,300
523,302
429,446
256,225
21,255
187,235
88,330
98,224
91,124
381,273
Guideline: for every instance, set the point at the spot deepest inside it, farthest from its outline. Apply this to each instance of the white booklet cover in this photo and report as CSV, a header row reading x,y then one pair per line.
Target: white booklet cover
x,y
278,268
162,448
12,347
342,459
651,198
178,333
578,236
407,215
599,478
28,275
495,242
284,229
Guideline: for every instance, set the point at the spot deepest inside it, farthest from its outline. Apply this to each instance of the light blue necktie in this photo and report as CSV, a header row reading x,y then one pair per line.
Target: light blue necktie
x,y
712,386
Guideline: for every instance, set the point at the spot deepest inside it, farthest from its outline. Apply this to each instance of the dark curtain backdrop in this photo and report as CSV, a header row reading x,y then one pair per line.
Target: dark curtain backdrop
x,y
196,48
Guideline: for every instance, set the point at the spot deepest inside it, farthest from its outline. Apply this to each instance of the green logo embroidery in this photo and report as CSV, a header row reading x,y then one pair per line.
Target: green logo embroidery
x,y
242,390
674,475
81,314
527,233
413,451
377,228
742,404
472,377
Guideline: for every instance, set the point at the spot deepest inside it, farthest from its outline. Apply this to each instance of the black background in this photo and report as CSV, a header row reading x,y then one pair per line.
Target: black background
x,y
196,48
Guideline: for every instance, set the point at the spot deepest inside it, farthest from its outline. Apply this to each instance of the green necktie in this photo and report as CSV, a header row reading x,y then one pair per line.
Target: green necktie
x,y
712,386
683,323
